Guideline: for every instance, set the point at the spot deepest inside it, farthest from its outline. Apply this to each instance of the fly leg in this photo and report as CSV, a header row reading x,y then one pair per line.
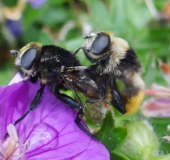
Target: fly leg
x,y
78,122
67,100
102,89
74,105
33,105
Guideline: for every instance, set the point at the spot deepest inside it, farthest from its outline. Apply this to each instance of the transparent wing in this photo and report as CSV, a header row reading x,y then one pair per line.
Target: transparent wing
x,y
95,112
84,88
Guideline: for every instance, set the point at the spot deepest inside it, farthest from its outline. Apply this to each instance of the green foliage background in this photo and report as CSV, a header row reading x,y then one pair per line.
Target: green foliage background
x,y
62,22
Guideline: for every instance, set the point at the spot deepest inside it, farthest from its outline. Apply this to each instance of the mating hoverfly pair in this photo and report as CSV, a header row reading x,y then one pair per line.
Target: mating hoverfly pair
x,y
58,68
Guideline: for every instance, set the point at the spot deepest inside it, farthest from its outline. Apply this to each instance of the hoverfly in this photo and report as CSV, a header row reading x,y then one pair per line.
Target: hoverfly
x,y
114,59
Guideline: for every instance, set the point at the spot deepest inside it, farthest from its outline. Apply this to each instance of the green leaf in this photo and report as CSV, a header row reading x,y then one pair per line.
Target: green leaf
x,y
110,135
152,73
119,135
9,3
118,15
30,35
115,155
159,4
106,132
58,2
7,73
30,16
127,16
74,43
55,16
44,38
34,34
98,15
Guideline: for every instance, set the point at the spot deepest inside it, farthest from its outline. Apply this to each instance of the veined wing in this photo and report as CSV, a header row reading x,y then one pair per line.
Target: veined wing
x,y
84,88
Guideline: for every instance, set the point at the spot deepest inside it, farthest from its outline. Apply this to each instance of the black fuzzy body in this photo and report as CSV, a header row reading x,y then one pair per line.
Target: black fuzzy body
x,y
49,65
130,62
48,72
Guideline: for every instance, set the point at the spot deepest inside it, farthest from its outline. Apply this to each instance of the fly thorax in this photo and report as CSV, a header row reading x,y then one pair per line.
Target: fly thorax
x,y
111,66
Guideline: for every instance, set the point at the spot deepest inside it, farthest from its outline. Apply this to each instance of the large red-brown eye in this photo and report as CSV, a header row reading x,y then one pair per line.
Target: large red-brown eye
x,y
100,44
28,58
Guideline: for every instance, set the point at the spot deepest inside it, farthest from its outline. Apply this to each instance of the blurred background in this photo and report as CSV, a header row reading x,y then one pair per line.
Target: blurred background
x,y
143,23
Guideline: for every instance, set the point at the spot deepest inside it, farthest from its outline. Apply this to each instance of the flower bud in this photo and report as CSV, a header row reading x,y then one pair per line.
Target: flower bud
x,y
141,142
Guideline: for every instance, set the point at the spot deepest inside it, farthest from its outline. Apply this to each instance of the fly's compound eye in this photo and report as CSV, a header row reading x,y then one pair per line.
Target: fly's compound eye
x,y
28,58
100,44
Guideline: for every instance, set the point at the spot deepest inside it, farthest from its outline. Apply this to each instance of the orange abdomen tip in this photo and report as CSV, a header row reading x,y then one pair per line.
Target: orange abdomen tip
x,y
133,103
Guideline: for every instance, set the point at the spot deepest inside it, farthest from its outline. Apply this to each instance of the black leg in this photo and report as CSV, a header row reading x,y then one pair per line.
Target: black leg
x,y
74,105
103,90
37,99
78,120
67,100
117,102
34,105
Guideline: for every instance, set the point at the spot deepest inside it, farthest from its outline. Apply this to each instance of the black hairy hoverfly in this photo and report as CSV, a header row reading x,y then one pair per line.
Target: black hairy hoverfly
x,y
115,59
47,64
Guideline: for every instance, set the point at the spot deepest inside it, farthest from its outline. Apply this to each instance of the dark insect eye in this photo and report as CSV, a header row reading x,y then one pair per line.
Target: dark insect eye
x,y
101,44
28,58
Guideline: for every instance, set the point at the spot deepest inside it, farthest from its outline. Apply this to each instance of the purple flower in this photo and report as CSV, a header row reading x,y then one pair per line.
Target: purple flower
x,y
49,132
36,3
14,26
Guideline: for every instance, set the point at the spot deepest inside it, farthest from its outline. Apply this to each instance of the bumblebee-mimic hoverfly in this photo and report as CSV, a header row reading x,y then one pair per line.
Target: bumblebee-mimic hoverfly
x,y
115,59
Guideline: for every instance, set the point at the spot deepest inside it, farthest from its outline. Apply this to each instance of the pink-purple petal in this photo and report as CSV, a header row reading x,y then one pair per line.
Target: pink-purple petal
x,y
156,107
17,78
50,128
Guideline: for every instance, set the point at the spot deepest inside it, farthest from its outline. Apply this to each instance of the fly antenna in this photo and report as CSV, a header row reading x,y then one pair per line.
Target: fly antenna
x,y
75,52
14,52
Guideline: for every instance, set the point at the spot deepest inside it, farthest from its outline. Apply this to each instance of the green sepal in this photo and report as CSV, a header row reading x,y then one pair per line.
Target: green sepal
x,y
110,135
